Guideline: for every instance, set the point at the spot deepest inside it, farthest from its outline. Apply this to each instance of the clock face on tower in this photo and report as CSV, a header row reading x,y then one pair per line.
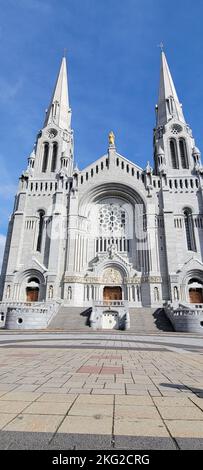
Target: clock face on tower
x,y
52,133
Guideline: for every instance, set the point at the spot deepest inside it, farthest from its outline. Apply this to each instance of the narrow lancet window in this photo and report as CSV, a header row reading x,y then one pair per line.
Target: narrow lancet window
x,y
189,230
45,157
173,150
183,154
40,230
54,157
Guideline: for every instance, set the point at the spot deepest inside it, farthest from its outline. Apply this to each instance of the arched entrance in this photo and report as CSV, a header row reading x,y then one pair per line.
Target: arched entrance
x,y
32,290
195,291
112,281
112,293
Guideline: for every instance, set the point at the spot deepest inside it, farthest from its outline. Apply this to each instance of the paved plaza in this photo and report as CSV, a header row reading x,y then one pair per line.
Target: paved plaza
x,y
101,391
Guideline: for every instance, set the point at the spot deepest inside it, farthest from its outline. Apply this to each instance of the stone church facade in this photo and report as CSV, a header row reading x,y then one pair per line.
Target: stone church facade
x,y
112,231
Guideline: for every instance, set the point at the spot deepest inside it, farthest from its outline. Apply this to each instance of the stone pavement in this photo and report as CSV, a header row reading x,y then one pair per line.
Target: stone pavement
x,y
86,391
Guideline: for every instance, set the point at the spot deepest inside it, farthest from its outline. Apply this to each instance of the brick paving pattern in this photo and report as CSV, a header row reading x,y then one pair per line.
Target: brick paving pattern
x,y
142,392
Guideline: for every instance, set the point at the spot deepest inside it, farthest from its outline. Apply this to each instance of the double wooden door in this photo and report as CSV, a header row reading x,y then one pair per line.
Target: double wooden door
x,y
112,293
32,294
196,296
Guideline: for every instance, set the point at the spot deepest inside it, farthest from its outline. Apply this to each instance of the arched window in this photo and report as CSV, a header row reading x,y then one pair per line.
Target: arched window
x,y
40,230
138,293
183,153
189,230
173,150
54,156
88,293
8,292
45,157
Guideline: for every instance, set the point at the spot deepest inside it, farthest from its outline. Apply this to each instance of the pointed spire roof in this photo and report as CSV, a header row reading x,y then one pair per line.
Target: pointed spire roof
x,y
59,111
169,105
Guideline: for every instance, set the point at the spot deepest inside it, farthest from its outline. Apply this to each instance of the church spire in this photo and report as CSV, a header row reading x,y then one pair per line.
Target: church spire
x,y
59,111
168,105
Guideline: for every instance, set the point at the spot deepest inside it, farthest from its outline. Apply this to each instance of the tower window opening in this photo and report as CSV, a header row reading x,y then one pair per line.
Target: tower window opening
x,y
183,154
54,157
40,230
173,150
45,157
189,230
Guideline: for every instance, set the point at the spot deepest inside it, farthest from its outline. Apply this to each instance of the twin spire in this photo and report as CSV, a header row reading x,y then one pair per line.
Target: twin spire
x,y
59,111
169,105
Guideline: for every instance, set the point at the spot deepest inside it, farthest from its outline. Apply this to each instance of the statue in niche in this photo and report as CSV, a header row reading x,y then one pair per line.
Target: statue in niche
x,y
51,291
69,293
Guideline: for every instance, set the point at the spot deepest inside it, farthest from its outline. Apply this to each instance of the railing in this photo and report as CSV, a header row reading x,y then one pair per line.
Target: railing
x,y
185,313
8,304
184,310
185,305
28,310
110,303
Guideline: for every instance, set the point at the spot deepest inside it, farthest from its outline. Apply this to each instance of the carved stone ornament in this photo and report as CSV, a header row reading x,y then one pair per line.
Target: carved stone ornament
x,y
112,275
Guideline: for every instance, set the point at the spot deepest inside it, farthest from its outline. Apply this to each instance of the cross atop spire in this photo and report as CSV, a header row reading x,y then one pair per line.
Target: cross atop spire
x,y
168,105
59,112
161,46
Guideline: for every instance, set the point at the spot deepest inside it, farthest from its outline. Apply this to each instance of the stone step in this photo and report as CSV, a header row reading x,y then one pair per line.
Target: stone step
x,y
71,318
149,320
142,320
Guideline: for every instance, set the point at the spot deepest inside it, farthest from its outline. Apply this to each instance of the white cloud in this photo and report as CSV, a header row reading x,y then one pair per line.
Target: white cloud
x,y
2,245
9,90
37,5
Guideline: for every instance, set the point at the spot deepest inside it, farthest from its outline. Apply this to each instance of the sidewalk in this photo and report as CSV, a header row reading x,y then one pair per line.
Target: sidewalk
x,y
63,393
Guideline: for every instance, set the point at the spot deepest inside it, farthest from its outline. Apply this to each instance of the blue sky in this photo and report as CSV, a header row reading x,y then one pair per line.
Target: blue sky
x,y
113,68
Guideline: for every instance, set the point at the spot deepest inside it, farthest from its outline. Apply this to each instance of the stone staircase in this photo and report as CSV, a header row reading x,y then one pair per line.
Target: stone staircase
x,y
149,320
142,320
71,319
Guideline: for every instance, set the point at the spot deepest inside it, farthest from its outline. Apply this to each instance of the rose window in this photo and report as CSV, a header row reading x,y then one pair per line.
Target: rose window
x,y
112,220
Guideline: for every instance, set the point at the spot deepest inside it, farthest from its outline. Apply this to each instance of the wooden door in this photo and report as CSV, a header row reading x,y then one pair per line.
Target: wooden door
x,y
32,294
113,293
196,296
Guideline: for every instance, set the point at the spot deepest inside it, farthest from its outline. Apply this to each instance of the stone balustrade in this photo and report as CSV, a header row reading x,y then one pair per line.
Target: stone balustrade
x,y
27,315
185,317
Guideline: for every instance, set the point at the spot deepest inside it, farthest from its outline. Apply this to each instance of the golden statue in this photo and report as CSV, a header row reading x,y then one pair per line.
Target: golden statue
x,y
111,138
